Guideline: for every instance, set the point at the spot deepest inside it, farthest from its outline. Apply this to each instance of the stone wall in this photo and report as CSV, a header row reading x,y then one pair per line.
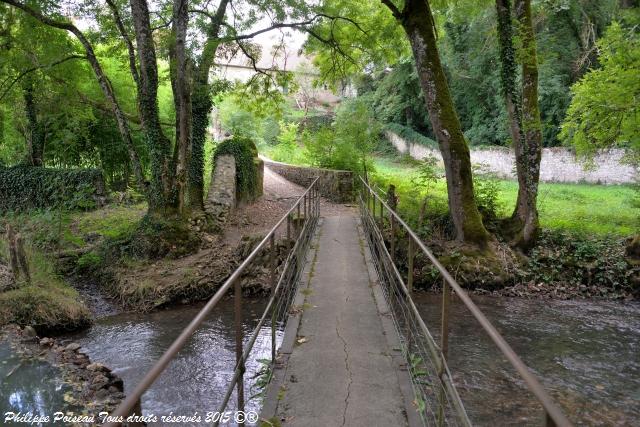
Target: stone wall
x,y
221,199
335,185
558,163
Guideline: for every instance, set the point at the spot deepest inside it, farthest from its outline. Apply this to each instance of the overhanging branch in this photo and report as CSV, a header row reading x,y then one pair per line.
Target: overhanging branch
x,y
36,68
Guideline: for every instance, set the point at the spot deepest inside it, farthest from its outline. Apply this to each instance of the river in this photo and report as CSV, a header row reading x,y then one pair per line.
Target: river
x,y
585,352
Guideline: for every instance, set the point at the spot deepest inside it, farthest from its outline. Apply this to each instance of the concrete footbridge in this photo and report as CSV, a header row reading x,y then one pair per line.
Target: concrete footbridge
x,y
347,344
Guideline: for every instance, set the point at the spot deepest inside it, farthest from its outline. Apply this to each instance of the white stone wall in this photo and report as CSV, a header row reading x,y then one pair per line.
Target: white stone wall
x,y
558,164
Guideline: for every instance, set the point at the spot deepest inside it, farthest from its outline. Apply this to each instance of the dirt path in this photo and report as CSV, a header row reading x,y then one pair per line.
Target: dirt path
x,y
197,276
278,197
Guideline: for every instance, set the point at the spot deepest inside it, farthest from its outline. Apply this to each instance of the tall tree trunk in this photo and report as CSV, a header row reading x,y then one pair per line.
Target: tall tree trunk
x,y
201,105
34,134
103,82
417,21
528,147
162,198
182,97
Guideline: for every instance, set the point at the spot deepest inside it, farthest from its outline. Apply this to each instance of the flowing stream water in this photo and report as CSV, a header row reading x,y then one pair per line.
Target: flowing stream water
x,y
196,380
586,353
30,386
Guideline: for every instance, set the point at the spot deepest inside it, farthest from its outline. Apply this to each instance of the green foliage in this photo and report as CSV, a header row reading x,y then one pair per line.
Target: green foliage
x,y
486,189
47,303
428,173
594,263
287,149
89,261
244,151
270,131
605,111
397,98
27,187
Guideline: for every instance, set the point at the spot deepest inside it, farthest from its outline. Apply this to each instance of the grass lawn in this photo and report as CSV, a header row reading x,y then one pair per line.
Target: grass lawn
x,y
582,208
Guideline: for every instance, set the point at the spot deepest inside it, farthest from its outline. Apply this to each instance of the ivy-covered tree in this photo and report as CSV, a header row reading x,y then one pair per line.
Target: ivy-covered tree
x,y
524,115
417,20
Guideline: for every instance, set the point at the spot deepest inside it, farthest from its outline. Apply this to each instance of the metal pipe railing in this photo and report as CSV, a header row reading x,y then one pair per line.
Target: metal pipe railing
x,y
553,413
309,197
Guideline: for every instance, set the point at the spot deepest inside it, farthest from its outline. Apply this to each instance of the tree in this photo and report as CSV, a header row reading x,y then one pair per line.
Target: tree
x,y
604,110
417,21
524,116
100,75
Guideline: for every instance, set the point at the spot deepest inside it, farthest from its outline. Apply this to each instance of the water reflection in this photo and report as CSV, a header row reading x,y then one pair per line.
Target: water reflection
x,y
197,378
585,353
29,386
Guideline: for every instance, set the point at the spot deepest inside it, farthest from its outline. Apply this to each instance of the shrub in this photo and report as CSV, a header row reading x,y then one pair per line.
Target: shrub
x,y
28,187
287,149
270,131
486,189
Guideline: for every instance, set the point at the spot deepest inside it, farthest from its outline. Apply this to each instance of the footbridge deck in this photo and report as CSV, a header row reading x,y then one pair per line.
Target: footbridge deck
x,y
339,364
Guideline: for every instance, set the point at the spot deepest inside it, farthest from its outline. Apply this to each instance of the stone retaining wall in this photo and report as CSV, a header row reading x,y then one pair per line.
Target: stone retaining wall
x,y
558,163
335,185
221,199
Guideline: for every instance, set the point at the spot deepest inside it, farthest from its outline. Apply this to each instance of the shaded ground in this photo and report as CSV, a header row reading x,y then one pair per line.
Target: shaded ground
x,y
198,276
279,195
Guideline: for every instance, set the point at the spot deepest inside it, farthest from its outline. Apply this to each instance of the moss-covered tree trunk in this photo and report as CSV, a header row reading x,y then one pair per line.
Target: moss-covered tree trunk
x,y
162,197
201,105
417,21
34,133
529,147
182,99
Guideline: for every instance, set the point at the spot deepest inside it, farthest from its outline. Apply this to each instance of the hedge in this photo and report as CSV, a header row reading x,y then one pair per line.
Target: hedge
x,y
29,187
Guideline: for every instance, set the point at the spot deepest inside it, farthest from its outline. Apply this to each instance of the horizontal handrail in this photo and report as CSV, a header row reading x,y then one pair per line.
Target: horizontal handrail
x,y
553,411
124,409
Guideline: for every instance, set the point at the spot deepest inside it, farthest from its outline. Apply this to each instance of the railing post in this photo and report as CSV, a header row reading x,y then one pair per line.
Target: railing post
x,y
272,262
444,330
373,206
444,346
298,228
392,220
239,343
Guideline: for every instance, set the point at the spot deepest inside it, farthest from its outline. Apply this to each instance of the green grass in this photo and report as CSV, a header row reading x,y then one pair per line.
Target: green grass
x,y
578,208
581,208
47,302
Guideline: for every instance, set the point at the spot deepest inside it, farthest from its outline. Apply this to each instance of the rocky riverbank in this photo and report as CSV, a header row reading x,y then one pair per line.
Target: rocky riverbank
x,y
92,386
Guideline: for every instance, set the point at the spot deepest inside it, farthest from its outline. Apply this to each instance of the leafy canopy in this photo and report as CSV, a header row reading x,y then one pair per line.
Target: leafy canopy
x,y
605,109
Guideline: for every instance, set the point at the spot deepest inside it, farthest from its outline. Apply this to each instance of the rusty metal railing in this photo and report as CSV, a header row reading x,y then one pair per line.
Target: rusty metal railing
x,y
298,223
439,401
